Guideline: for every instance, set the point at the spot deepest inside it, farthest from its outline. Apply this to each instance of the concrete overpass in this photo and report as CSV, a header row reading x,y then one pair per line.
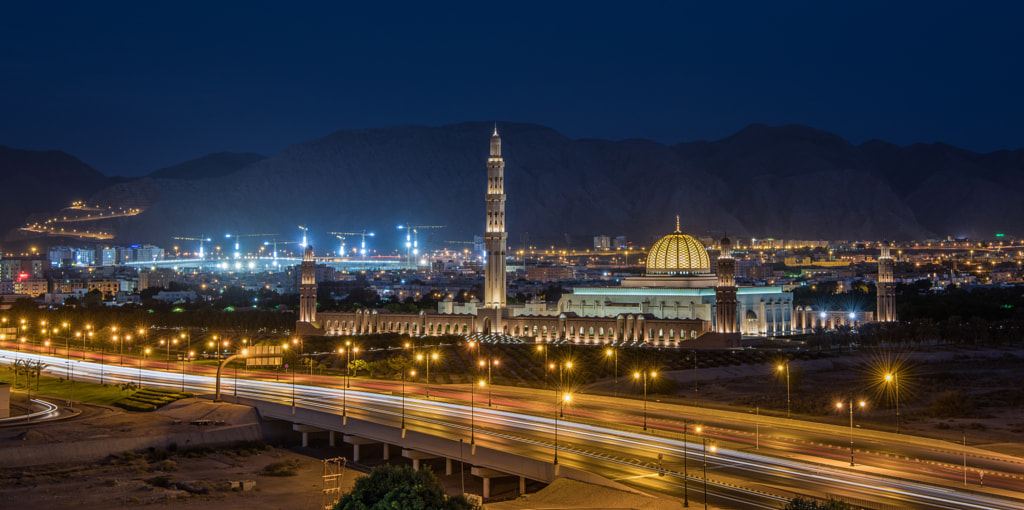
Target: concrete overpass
x,y
485,463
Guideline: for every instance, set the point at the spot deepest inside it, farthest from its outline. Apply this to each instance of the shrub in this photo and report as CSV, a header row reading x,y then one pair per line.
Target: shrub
x,y
283,468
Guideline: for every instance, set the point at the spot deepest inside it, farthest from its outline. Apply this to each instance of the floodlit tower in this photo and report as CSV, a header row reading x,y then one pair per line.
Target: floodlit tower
x,y
886,287
725,291
495,236
307,289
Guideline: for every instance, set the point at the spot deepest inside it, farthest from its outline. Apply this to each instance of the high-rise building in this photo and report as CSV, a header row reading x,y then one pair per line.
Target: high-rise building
x,y
725,291
495,236
307,289
886,287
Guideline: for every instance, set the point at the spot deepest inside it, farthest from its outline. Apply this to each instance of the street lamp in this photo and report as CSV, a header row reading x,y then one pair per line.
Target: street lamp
x,y
472,411
713,450
565,399
895,378
614,353
561,382
643,375
140,366
686,495
839,405
411,373
544,349
428,357
489,363
788,406
67,341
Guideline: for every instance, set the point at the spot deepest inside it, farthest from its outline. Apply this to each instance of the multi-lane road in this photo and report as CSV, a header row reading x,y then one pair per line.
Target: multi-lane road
x,y
749,461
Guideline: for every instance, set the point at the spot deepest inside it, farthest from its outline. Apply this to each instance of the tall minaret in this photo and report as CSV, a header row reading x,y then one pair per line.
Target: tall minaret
x,y
725,291
886,287
495,236
307,289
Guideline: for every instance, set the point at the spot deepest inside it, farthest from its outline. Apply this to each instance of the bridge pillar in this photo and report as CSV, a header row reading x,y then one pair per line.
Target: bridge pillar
x,y
448,466
330,439
356,442
522,485
487,474
416,457
387,451
305,430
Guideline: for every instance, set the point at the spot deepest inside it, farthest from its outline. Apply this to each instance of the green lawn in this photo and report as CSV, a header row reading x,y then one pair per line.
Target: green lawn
x,y
57,388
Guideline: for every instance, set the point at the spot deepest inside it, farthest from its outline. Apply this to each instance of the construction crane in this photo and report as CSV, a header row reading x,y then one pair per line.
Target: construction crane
x,y
362,246
304,232
201,241
239,236
275,243
411,241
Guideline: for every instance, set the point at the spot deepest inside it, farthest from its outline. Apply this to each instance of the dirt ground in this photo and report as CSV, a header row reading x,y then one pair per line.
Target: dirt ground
x,y
944,392
198,478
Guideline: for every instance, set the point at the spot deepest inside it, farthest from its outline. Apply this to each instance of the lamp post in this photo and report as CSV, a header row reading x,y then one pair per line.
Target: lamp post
x,y
895,378
427,358
489,363
565,399
87,337
686,495
545,350
120,343
413,374
561,382
140,366
614,353
713,449
788,407
839,405
67,341
643,375
696,400
472,411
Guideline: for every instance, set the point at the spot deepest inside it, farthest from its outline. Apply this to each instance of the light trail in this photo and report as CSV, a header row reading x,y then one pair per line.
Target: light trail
x,y
601,449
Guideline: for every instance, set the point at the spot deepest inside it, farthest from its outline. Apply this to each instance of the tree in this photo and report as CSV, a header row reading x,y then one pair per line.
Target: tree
x,y
398,488
356,365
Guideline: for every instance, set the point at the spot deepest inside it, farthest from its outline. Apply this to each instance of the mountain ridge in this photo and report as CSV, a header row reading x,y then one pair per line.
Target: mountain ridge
x,y
793,182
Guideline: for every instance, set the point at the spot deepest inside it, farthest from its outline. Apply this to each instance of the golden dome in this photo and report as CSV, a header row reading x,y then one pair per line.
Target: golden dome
x,y
678,254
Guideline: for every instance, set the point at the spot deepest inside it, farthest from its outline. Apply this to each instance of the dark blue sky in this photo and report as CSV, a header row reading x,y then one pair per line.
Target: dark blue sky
x,y
132,88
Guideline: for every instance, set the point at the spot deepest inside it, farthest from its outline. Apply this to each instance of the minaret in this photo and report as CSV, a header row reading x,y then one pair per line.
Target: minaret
x,y
307,289
495,236
725,291
886,287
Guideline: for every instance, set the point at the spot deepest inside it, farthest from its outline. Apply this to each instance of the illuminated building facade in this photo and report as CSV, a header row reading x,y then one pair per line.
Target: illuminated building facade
x,y
307,289
886,286
679,284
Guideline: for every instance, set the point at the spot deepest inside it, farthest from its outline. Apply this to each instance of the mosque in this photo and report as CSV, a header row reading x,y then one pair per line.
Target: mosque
x,y
679,284
679,302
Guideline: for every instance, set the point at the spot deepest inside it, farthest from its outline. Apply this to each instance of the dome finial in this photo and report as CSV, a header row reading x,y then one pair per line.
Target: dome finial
x,y
495,128
677,223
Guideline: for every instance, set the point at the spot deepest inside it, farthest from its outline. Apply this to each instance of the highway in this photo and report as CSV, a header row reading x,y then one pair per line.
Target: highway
x,y
604,435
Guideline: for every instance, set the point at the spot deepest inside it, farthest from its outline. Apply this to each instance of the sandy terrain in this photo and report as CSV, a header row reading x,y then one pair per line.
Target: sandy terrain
x,y
199,478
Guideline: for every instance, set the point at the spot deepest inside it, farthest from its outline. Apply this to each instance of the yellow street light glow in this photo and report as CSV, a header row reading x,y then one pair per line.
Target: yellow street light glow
x,y
483,383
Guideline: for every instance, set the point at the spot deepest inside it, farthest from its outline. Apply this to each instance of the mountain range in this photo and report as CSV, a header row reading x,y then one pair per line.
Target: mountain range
x,y
785,182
